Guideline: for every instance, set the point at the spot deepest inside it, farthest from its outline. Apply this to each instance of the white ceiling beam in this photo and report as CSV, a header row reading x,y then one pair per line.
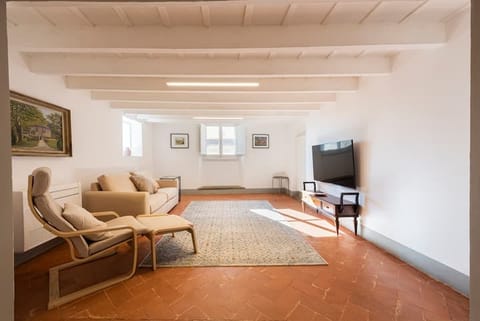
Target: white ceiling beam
x,y
204,9
300,54
126,3
375,7
248,14
331,54
456,12
108,65
79,13
44,17
216,98
155,39
178,115
329,12
288,15
122,15
276,85
164,16
415,10
188,106
11,22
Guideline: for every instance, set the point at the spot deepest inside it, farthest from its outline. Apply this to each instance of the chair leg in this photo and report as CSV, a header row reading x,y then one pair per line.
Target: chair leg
x,y
56,300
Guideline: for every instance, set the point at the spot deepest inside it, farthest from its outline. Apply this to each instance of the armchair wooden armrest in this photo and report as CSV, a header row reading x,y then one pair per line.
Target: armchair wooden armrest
x,y
97,230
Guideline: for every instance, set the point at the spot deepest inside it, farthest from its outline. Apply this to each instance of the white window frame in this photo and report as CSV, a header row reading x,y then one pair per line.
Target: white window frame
x,y
134,143
239,141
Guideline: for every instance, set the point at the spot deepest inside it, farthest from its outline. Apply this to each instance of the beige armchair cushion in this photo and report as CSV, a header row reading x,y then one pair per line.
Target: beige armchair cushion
x,y
82,219
144,184
51,211
116,183
118,235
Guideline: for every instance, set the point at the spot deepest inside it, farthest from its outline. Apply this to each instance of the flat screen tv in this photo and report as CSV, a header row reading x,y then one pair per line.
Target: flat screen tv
x,y
334,163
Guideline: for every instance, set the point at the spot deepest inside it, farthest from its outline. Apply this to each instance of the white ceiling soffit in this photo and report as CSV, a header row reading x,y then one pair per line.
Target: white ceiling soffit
x,y
301,52
274,85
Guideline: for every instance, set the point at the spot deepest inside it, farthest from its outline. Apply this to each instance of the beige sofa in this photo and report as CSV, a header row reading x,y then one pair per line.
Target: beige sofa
x,y
117,192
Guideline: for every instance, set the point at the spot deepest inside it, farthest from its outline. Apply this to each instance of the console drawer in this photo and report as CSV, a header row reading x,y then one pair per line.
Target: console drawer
x,y
327,207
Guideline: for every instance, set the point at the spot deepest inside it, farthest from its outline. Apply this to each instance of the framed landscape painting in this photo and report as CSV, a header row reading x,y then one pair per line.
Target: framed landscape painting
x,y
179,140
260,141
39,128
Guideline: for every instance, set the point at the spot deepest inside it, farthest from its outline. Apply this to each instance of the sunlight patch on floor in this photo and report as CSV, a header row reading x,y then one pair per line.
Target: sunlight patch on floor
x,y
305,223
311,230
296,214
274,216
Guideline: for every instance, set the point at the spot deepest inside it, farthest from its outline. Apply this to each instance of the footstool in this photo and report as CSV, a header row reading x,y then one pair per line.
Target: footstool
x,y
163,224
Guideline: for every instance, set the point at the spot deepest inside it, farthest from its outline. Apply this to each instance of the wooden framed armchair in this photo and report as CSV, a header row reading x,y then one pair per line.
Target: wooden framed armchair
x,y
115,232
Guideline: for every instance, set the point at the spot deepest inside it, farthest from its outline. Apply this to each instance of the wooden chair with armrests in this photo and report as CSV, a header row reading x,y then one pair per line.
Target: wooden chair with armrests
x,y
120,230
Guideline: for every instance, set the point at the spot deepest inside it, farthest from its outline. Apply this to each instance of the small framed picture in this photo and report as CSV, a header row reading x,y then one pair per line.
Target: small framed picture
x,y
260,141
179,140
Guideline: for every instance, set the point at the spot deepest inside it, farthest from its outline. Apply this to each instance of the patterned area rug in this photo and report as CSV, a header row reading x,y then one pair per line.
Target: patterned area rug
x,y
235,233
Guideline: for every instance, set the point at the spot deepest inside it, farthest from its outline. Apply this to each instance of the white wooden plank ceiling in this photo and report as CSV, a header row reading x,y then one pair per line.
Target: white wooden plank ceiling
x,y
302,52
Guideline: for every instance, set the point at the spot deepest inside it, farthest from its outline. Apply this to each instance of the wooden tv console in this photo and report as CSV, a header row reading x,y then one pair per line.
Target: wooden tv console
x,y
331,205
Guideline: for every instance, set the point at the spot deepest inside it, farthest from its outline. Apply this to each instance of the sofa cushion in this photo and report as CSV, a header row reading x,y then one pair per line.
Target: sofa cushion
x,y
141,173
170,191
144,184
82,219
157,200
117,183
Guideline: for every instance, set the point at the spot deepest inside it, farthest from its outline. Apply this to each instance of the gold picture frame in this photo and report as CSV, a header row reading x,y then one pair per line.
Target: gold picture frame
x,y
39,128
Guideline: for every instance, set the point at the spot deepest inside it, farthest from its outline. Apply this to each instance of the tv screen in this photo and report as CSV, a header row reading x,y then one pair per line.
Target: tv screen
x,y
334,163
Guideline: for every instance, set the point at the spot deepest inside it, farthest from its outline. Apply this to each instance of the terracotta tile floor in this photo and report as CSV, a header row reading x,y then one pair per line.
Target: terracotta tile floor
x,y
361,283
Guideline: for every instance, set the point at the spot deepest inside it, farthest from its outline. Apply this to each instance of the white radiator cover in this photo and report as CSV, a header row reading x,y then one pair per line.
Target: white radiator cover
x,y
28,232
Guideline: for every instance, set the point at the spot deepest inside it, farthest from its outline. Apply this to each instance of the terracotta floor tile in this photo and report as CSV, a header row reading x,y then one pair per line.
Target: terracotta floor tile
x,y
302,313
409,313
355,313
361,282
246,312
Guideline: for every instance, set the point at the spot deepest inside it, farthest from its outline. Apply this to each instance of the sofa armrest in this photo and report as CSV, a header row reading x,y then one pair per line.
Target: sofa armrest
x,y
123,203
167,183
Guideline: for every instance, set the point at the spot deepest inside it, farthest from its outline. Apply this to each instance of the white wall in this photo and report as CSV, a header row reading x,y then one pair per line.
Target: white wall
x,y
96,132
254,170
411,131
475,168
6,214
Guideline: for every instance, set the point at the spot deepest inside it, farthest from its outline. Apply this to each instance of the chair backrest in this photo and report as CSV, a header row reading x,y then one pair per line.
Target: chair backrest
x,y
49,212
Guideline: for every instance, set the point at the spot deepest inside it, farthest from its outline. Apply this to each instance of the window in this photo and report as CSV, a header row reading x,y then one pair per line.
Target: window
x,y
222,140
132,137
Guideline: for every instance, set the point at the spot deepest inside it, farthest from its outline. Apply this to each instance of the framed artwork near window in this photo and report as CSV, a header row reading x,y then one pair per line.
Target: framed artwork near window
x,y
179,140
39,128
260,141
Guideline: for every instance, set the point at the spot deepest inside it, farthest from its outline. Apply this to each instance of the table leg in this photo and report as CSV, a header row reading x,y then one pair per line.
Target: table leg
x,y
356,223
337,223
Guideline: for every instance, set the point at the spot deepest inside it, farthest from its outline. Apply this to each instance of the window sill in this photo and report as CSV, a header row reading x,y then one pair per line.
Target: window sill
x,y
221,157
